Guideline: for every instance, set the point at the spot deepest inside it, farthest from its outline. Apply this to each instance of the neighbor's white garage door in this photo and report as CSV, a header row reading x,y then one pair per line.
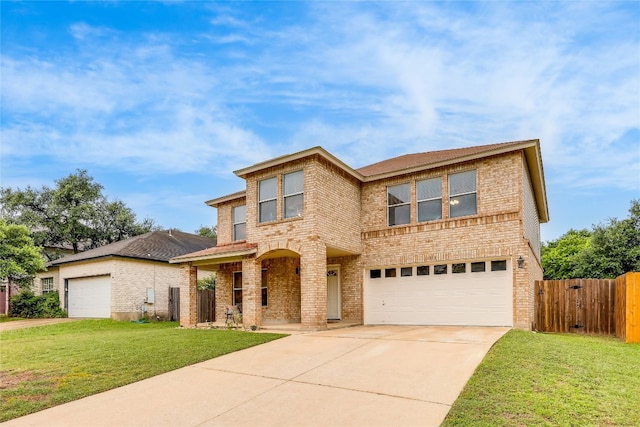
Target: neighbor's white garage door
x,y
482,298
89,297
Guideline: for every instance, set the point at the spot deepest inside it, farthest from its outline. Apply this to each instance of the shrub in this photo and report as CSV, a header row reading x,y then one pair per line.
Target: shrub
x,y
27,304
208,282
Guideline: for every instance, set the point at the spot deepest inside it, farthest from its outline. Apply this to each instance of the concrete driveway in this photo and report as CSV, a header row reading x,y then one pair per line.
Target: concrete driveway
x,y
359,376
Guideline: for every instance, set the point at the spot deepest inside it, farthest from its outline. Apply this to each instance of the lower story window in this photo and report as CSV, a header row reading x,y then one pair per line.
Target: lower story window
x,y
46,284
237,287
265,299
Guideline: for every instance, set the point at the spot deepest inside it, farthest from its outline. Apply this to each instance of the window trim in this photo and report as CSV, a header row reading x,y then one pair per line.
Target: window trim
x,y
390,272
419,201
235,288
423,270
451,196
406,271
264,289
497,264
233,219
438,269
49,285
263,201
408,184
285,195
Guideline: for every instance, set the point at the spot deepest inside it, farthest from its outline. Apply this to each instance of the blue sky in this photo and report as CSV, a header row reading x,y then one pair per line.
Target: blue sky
x,y
161,101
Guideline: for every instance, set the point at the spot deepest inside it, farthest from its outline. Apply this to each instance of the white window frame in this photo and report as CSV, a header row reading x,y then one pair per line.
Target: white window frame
x,y
389,206
286,195
453,196
264,279
262,201
419,201
46,285
236,287
235,224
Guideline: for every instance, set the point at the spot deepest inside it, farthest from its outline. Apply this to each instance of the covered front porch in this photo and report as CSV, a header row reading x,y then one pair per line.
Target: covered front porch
x,y
279,288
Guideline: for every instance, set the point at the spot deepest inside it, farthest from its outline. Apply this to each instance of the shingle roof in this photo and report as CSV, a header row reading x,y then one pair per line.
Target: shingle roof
x,y
155,246
409,161
225,249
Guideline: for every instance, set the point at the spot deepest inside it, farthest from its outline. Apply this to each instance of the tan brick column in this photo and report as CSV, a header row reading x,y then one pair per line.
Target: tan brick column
x,y
251,292
188,295
313,285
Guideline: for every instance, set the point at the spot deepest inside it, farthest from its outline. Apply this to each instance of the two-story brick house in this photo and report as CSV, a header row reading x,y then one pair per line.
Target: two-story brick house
x,y
448,237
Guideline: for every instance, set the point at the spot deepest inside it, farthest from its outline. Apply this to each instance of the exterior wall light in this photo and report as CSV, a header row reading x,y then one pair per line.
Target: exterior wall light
x,y
520,261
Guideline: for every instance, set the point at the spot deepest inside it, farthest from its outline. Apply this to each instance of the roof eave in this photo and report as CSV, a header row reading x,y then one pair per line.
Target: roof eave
x,y
533,158
245,172
214,203
215,258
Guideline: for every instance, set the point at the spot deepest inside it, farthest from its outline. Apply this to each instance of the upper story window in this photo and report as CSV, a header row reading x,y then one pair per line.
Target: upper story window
x,y
399,204
267,197
240,222
462,194
429,198
293,194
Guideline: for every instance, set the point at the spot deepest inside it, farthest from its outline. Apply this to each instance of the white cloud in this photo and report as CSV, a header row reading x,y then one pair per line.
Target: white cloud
x,y
365,81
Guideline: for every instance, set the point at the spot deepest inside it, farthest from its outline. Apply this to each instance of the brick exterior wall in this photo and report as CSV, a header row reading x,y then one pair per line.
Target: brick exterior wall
x,y
345,223
129,282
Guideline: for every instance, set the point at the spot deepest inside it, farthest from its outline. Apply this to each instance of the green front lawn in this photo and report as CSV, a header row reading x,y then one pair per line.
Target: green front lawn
x,y
530,379
49,365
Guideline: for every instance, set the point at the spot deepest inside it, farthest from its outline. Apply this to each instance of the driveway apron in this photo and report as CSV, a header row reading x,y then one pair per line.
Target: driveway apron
x,y
366,375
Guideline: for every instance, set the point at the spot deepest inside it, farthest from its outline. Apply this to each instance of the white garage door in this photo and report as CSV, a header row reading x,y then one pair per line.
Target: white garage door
x,y
89,297
417,296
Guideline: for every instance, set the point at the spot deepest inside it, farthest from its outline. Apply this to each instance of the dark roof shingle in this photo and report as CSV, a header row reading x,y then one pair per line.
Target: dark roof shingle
x,y
155,246
409,161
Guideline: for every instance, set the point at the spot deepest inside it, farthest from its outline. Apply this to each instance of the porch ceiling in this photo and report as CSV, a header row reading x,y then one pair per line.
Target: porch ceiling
x,y
333,251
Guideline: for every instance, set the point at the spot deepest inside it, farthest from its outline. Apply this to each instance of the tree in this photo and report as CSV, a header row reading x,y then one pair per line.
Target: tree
x,y
74,214
614,248
559,257
208,231
20,258
208,282
609,250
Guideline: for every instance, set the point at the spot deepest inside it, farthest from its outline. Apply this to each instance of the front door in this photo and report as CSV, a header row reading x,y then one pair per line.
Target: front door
x,y
333,294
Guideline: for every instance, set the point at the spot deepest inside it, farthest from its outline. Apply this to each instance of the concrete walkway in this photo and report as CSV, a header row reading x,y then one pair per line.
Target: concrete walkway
x,y
359,376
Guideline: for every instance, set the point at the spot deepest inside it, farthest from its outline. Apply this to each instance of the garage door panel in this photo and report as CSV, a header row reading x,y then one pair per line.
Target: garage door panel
x,y
89,297
483,298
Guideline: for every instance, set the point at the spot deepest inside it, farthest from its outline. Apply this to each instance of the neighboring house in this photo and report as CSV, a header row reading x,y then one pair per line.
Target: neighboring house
x,y
124,279
447,237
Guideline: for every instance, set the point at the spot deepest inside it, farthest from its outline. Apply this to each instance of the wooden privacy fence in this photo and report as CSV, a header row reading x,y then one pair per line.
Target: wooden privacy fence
x,y
207,306
590,306
628,307
174,304
576,305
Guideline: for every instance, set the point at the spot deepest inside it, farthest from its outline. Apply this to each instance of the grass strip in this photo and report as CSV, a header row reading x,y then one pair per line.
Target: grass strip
x,y
534,379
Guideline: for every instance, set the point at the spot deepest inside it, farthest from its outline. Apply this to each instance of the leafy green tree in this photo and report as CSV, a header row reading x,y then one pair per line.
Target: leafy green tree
x,y
208,282
20,258
559,257
614,248
609,250
208,231
73,214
